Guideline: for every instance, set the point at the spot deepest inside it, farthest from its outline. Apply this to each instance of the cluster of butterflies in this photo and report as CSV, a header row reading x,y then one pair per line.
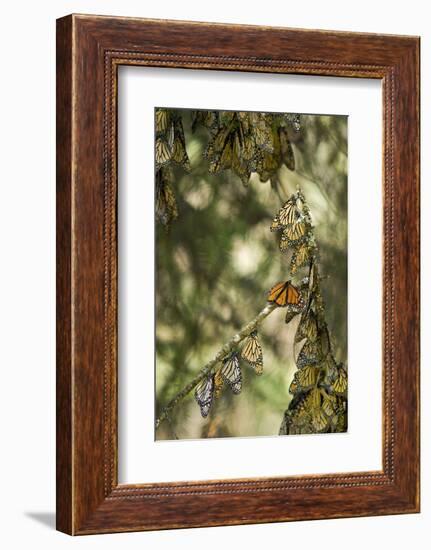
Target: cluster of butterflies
x,y
294,223
319,386
230,373
170,150
247,142
244,142
283,294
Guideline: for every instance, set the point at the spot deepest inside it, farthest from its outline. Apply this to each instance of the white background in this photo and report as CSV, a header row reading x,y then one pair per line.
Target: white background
x,y
27,122
141,458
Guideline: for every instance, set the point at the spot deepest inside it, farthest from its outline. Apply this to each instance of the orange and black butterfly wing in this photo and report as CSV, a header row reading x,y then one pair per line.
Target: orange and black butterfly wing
x,y
278,294
293,295
284,294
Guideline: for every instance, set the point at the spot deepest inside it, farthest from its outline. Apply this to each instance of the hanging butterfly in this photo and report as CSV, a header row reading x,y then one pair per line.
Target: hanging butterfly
x,y
231,372
300,257
329,367
204,393
166,204
240,164
252,352
170,141
179,153
309,354
307,327
340,385
162,120
304,379
299,414
270,161
320,421
261,132
163,152
285,294
307,377
219,151
290,211
329,404
209,119
293,233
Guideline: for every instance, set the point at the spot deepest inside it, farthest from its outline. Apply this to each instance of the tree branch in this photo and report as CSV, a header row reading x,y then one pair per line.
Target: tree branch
x,y
220,355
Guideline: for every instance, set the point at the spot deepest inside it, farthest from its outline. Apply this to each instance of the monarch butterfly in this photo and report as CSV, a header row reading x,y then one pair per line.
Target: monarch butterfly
x,y
307,377
162,120
300,257
284,294
217,142
313,399
179,153
289,212
305,410
252,352
166,204
231,372
329,404
307,327
204,393
262,136
163,152
292,234
309,354
218,384
304,379
219,152
209,119
238,165
340,384
319,420
268,161
248,148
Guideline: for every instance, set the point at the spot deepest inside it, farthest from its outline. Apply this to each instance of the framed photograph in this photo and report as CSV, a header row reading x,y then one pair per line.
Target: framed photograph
x,y
237,274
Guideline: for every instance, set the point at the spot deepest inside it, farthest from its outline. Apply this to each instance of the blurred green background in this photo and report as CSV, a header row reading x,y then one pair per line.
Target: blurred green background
x,y
216,264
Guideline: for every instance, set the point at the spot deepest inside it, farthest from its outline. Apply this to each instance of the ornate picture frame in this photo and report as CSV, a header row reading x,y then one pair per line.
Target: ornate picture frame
x,y
89,51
